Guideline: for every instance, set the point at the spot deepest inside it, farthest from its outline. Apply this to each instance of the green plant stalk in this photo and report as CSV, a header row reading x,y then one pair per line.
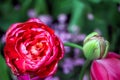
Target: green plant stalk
x,y
73,45
87,62
84,67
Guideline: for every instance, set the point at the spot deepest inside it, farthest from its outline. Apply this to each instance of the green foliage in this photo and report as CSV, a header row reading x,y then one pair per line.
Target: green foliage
x,y
78,15
57,7
41,7
3,68
105,17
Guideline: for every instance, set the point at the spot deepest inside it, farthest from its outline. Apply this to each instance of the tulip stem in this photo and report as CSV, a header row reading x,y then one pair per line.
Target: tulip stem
x,y
87,62
73,45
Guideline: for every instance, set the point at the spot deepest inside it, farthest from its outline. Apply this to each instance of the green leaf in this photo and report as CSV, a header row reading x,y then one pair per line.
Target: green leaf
x,y
4,24
4,72
99,24
26,5
6,7
115,44
78,15
95,1
117,1
3,69
41,7
61,6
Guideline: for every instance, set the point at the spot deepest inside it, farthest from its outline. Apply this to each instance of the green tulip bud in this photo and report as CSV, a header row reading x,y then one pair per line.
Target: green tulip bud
x,y
95,46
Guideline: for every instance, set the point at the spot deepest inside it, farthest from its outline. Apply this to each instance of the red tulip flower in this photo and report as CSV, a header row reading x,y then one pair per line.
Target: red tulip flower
x,y
107,68
32,48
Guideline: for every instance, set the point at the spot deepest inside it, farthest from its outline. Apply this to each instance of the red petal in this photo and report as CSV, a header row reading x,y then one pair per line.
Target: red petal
x,y
34,20
11,28
98,71
106,69
20,64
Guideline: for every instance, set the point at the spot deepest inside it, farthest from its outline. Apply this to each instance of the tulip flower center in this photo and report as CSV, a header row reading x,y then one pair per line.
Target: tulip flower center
x,y
36,49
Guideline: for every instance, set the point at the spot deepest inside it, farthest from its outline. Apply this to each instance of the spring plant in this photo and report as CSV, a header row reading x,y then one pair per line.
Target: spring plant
x,y
59,39
32,51
105,65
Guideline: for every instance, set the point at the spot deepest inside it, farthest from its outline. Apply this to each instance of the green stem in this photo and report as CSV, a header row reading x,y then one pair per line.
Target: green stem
x,y
87,62
73,45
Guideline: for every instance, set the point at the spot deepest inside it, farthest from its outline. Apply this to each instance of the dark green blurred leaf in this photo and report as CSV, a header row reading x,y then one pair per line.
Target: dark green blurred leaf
x,y
78,15
65,76
5,8
4,25
41,7
115,44
3,69
61,6
95,1
102,26
26,5
117,1
103,17
0,45
9,15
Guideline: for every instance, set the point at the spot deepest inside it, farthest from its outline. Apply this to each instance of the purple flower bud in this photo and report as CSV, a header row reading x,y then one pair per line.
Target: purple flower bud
x,y
47,19
52,78
3,39
64,36
32,13
68,65
119,8
76,52
75,29
79,62
62,18
90,16
85,77
67,49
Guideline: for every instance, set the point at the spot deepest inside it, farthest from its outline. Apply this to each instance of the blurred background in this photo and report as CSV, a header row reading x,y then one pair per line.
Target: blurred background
x,y
72,20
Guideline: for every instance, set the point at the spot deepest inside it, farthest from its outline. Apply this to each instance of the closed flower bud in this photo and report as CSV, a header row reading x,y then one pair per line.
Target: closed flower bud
x,y
95,46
